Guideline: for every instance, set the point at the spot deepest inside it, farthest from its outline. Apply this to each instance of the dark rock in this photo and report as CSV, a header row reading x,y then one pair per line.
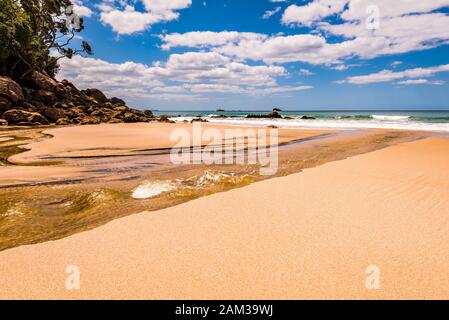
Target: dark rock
x,y
66,83
3,123
308,118
11,90
5,104
28,106
20,117
274,115
131,118
166,119
115,120
277,110
148,113
271,115
60,105
116,101
220,116
52,114
89,120
64,122
198,120
272,127
96,94
46,97
39,81
220,110
120,108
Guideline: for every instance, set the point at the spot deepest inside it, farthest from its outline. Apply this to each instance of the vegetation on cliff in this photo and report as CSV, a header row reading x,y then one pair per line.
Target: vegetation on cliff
x,y
34,36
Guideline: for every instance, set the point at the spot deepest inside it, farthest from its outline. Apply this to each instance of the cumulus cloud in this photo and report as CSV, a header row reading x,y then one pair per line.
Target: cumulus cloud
x,y
388,76
190,74
400,26
404,26
80,9
202,39
125,19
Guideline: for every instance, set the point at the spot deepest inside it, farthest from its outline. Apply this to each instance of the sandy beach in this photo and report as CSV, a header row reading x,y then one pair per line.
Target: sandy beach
x,y
307,235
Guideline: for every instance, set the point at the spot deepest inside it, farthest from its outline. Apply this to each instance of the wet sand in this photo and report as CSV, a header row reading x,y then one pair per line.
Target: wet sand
x,y
307,235
57,196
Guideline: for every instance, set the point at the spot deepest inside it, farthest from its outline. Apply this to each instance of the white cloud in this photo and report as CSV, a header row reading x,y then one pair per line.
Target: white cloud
x,y
189,74
166,5
269,13
200,39
306,72
404,26
389,76
81,10
313,11
125,19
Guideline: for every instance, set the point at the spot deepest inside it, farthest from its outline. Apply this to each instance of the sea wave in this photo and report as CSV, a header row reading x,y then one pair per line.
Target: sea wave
x,y
390,118
375,121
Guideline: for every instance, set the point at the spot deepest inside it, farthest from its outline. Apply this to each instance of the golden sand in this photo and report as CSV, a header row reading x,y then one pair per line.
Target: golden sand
x,y
308,235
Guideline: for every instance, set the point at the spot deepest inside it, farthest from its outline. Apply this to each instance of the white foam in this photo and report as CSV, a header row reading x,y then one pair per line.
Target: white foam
x,y
150,190
390,118
383,122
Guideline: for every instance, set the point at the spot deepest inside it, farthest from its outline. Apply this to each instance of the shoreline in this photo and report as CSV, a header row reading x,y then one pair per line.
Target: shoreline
x,y
381,208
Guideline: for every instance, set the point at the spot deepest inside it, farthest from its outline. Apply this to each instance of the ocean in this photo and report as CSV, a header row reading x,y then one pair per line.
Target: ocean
x,y
404,120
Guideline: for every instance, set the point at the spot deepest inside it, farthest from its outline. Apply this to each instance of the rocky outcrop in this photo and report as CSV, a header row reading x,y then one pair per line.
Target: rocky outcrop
x,y
10,90
271,115
117,102
41,100
24,118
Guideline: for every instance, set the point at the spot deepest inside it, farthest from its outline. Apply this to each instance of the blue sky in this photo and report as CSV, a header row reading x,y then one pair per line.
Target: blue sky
x,y
260,54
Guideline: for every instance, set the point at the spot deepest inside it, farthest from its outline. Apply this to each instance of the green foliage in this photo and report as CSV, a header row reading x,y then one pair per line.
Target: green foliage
x,y
35,34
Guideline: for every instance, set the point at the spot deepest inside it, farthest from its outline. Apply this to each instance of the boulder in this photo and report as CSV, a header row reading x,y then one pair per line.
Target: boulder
x,y
52,114
120,108
308,118
277,110
96,94
64,122
115,120
130,117
20,117
148,113
74,113
11,90
164,118
39,81
89,120
116,101
198,120
271,115
46,97
5,104
3,123
274,115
